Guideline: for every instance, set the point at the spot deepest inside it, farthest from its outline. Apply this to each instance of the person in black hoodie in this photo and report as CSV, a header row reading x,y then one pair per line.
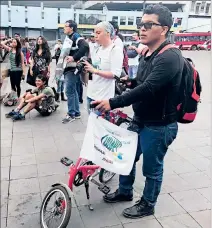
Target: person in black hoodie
x,y
154,97
73,84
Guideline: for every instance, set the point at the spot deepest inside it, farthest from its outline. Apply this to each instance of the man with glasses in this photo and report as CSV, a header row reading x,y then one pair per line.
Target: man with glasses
x,y
154,96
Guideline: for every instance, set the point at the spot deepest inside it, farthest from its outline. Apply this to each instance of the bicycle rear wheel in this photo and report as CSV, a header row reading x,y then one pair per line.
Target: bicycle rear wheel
x,y
105,176
57,215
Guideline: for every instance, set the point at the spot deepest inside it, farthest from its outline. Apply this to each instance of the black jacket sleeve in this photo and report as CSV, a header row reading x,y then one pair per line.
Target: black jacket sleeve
x,y
165,67
83,50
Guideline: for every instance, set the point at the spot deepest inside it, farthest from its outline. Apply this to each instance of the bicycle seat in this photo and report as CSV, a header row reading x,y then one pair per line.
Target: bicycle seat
x,y
66,161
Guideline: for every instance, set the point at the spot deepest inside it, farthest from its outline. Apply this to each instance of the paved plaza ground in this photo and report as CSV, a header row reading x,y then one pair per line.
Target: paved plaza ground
x,y
31,150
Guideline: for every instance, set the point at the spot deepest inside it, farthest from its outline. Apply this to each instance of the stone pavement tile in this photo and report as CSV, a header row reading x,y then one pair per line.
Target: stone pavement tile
x,y
191,200
44,145
4,188
49,169
103,215
6,134
188,153
118,226
75,220
21,172
4,207
119,207
206,192
200,141
204,150
6,151
200,163
24,186
23,159
40,133
5,162
6,142
196,179
24,204
5,173
153,223
22,146
167,206
181,166
76,127
78,136
21,128
172,156
179,221
174,183
3,222
47,181
178,144
203,218
24,221
22,135
49,157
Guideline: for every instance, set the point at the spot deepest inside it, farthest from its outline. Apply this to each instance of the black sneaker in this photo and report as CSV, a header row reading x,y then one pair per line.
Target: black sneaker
x,y
18,116
68,119
139,210
117,197
77,116
10,114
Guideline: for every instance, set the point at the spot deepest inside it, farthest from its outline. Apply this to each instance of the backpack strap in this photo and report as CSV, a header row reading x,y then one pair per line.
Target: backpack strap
x,y
143,52
166,48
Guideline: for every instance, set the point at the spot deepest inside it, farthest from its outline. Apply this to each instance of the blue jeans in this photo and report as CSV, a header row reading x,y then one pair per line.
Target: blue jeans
x,y
80,89
60,86
71,92
153,142
132,71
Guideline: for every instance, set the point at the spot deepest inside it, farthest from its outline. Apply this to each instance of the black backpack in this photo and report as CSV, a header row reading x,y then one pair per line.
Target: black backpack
x,y
190,90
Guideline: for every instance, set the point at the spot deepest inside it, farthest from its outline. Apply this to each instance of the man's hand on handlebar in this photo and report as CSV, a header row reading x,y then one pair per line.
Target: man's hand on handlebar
x,y
126,80
102,106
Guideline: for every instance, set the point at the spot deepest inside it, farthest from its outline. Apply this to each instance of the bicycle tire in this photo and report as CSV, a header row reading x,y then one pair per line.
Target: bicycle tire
x,y
68,203
102,176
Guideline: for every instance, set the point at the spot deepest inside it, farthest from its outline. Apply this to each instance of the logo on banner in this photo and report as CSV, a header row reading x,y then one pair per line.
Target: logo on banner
x,y
112,144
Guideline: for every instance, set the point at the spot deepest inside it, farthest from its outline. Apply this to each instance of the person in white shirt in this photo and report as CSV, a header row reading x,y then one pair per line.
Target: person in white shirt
x,y
134,52
57,48
106,63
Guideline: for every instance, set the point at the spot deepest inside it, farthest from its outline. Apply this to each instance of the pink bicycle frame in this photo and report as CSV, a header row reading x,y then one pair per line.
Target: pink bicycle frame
x,y
87,170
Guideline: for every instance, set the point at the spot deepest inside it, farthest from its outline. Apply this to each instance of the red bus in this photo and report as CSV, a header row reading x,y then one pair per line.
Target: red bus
x,y
191,41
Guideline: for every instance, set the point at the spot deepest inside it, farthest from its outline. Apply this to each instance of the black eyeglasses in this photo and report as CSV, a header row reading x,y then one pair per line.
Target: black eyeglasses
x,y
147,25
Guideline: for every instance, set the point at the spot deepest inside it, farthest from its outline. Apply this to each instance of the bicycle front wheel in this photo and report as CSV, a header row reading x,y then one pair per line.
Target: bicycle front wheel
x,y
56,208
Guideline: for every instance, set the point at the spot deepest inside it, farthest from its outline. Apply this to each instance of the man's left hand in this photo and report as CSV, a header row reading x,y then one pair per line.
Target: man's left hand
x,y
102,106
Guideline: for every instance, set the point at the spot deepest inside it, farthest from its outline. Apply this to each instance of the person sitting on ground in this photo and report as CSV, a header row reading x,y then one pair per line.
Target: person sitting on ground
x,y
42,98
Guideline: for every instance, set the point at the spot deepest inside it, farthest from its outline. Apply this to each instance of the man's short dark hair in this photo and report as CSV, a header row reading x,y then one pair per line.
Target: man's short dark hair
x,y
115,26
18,34
164,14
42,78
72,24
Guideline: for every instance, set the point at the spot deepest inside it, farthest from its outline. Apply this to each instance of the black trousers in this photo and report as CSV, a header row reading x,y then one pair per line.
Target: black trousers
x,y
15,81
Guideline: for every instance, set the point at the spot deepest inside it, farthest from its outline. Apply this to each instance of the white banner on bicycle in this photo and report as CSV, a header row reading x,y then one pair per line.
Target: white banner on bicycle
x,y
109,146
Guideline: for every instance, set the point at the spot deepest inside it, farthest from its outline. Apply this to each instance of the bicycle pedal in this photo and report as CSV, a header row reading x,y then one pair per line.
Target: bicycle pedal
x,y
66,161
104,188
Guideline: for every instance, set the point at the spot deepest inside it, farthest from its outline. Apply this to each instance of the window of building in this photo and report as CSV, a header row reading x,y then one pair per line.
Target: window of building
x,y
115,18
9,16
130,20
42,15
192,6
91,19
138,20
197,8
58,16
202,8
179,21
122,20
207,9
26,19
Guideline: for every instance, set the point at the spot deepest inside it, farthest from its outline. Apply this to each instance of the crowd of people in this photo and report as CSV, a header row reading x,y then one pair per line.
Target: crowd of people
x,y
154,81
